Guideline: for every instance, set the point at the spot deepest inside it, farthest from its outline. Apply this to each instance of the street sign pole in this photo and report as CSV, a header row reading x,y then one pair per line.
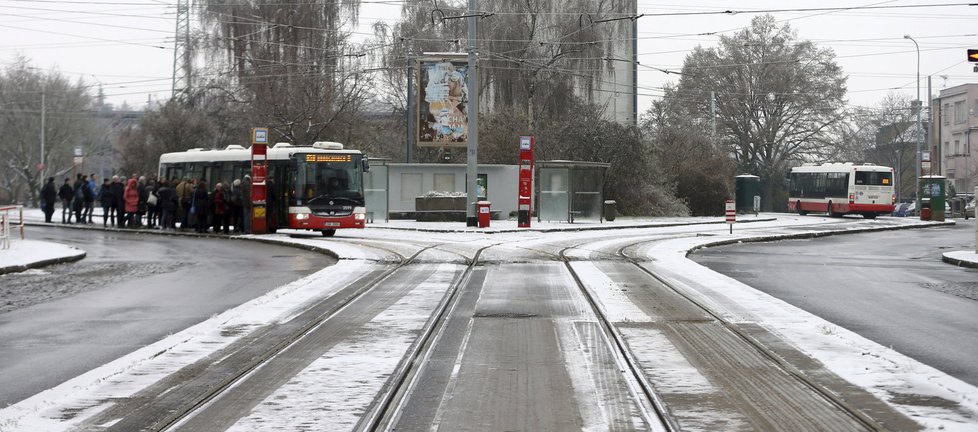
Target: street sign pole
x,y
731,213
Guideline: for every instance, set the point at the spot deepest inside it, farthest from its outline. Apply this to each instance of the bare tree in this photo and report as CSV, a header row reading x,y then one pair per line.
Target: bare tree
x,y
291,68
67,123
172,128
777,98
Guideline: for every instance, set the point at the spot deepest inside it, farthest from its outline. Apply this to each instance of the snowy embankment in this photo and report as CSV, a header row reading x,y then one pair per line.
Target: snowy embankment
x,y
886,373
28,254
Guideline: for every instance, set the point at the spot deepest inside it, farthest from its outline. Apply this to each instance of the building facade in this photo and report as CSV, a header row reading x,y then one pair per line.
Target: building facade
x,y
954,141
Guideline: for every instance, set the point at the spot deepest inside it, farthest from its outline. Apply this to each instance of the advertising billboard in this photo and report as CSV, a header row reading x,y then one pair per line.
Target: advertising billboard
x,y
443,96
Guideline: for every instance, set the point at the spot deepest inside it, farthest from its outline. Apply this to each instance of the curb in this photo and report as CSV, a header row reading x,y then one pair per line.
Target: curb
x,y
809,235
570,229
959,263
42,263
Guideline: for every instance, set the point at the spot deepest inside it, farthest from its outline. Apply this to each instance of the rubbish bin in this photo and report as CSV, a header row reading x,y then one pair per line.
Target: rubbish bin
x,y
484,215
925,214
610,210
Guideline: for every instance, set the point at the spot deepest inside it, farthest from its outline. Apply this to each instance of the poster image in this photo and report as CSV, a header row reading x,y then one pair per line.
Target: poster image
x,y
443,95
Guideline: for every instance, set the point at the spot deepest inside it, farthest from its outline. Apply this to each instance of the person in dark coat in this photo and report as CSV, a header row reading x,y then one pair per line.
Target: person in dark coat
x,y
247,207
271,200
118,201
78,203
219,206
105,199
49,195
200,206
166,200
236,203
67,194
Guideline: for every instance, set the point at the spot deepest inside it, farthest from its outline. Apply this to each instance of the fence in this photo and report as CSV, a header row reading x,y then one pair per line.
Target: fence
x,y
5,223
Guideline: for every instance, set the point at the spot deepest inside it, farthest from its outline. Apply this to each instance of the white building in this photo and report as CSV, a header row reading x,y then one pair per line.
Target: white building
x,y
955,135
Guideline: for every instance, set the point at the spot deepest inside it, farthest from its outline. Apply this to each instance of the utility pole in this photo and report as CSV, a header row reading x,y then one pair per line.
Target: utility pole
x,y
471,218
43,109
409,141
919,106
181,51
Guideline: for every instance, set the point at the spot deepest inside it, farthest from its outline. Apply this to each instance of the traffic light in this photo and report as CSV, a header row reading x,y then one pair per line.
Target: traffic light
x,y
973,55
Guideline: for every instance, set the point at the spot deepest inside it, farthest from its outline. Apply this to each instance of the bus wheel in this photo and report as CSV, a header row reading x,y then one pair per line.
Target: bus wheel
x,y
800,211
869,215
329,232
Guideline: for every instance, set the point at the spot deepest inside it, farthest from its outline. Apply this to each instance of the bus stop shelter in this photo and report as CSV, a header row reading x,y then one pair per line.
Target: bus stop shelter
x,y
570,190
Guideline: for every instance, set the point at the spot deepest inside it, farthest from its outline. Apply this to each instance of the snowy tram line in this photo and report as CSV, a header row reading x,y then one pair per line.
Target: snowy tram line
x,y
229,388
712,372
469,331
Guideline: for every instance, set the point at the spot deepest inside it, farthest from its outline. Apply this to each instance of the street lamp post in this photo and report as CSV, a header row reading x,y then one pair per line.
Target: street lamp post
x,y
920,106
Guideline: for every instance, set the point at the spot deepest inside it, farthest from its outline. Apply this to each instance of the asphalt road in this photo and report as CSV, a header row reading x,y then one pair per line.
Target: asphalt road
x,y
890,287
130,290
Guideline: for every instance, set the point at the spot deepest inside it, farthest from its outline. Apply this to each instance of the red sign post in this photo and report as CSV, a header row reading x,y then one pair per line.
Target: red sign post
x,y
731,212
525,201
259,170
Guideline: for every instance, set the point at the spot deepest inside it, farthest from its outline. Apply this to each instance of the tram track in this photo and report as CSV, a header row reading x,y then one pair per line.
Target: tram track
x,y
149,411
165,404
773,357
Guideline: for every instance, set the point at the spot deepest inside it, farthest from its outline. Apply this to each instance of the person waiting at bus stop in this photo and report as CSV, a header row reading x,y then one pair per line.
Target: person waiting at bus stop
x,y
200,207
48,196
66,193
271,200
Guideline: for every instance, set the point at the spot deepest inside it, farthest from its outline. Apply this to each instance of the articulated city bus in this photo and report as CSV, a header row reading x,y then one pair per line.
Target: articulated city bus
x,y
321,186
840,189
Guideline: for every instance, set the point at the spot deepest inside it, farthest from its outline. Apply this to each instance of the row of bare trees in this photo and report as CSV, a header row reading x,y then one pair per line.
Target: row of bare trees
x,y
759,102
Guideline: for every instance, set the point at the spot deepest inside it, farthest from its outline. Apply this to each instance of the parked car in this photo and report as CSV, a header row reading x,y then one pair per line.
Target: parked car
x,y
969,209
900,209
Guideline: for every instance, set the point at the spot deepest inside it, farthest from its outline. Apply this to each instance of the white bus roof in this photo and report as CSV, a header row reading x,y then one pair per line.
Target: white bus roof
x,y
239,153
840,167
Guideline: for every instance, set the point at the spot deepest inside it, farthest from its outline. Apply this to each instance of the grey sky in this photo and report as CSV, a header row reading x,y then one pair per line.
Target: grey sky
x,y
127,45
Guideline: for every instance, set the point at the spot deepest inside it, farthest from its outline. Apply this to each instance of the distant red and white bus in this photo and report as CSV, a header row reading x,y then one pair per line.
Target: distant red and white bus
x,y
840,189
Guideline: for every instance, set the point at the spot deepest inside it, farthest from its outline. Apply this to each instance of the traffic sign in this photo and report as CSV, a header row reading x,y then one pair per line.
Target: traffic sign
x,y
973,55
259,135
730,210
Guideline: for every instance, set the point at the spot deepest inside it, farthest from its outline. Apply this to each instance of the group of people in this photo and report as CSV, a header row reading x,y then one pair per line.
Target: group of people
x,y
165,204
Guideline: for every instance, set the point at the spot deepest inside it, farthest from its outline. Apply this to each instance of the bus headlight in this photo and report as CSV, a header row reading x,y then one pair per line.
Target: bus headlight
x,y
360,213
301,213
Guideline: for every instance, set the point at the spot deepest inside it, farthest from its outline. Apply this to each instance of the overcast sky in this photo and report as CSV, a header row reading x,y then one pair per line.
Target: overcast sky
x,y
127,45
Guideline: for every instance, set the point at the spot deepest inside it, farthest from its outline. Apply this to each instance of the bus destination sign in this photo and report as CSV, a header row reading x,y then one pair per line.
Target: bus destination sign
x,y
328,158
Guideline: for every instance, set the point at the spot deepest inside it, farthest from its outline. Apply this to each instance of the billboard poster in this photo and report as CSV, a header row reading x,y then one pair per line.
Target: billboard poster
x,y
443,95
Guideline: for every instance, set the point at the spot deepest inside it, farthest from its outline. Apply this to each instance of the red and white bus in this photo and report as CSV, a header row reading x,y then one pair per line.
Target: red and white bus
x,y
840,189
321,184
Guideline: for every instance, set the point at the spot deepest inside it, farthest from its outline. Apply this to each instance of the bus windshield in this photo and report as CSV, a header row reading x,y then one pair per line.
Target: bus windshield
x,y
874,178
324,177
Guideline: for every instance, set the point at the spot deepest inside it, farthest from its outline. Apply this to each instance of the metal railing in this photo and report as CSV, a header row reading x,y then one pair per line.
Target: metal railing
x,y
5,224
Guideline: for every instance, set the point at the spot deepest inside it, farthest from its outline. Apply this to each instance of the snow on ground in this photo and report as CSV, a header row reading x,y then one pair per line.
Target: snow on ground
x,y
91,392
26,253
882,371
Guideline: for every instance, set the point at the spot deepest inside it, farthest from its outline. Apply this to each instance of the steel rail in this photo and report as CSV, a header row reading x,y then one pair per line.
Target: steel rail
x,y
186,410
788,368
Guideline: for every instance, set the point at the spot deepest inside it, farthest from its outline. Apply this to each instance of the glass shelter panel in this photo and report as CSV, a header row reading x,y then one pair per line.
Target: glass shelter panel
x,y
586,203
375,190
554,194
